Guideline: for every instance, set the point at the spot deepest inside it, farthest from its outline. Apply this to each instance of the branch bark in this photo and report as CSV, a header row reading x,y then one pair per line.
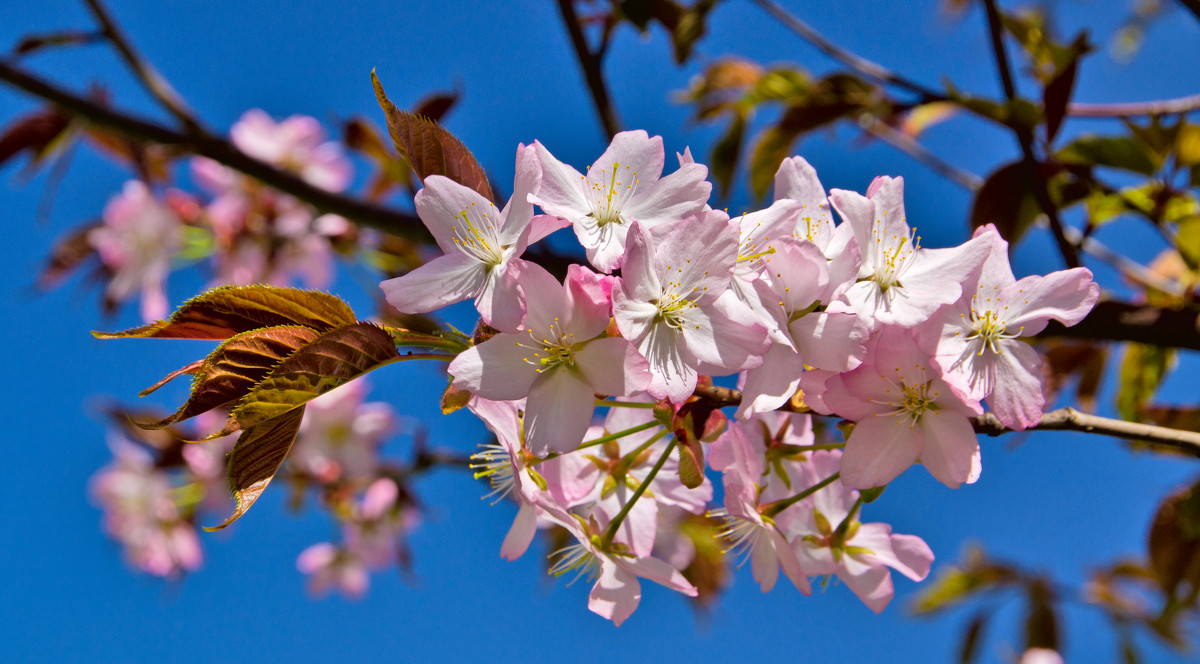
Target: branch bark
x,y
219,150
593,73
1113,320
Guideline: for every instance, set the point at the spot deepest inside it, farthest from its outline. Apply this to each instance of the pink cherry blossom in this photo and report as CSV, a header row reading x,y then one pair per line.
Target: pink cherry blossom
x,y
330,567
903,411
481,246
137,241
558,361
671,301
828,538
140,512
621,187
977,339
616,592
340,435
899,282
561,482
749,484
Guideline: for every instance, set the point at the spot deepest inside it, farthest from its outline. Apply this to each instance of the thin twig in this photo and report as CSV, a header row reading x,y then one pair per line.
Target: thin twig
x,y
1037,184
1129,268
154,82
593,73
909,146
863,66
219,150
1137,108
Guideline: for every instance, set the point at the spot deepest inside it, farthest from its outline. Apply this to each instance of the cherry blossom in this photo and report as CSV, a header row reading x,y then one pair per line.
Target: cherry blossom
x,y
899,282
139,237
829,538
621,187
340,435
977,339
558,361
481,247
671,302
903,411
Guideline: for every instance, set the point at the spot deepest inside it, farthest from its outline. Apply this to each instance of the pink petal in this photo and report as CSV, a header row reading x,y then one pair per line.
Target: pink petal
x,y
951,450
442,281
558,412
441,202
880,448
520,535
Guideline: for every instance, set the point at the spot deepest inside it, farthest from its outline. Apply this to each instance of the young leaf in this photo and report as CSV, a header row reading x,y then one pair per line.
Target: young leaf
x,y
1006,201
1142,371
1123,152
256,458
333,359
234,368
429,148
223,312
772,148
725,153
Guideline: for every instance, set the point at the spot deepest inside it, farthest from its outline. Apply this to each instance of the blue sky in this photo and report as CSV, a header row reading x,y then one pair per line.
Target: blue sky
x,y
1063,502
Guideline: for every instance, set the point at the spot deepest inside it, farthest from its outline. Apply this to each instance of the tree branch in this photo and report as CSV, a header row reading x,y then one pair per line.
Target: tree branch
x,y
909,146
1159,107
158,86
1111,320
871,70
1037,183
592,71
219,150
1063,419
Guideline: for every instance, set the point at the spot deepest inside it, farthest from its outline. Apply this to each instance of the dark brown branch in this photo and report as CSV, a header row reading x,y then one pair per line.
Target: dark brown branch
x,y
1121,321
867,68
1024,135
158,86
219,150
592,70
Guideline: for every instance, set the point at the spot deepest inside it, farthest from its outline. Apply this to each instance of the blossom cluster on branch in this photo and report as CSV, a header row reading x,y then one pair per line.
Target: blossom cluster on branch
x,y
857,320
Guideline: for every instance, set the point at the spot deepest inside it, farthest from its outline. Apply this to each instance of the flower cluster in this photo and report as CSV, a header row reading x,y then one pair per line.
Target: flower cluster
x,y
160,487
853,319
253,234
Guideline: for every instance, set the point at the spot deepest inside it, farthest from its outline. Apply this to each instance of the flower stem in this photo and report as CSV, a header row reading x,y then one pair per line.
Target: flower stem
x,y
611,531
772,509
605,403
604,439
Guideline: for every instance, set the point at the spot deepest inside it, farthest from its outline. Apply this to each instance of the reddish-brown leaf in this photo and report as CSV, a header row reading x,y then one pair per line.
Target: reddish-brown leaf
x,y
234,368
259,453
429,148
223,312
331,360
34,133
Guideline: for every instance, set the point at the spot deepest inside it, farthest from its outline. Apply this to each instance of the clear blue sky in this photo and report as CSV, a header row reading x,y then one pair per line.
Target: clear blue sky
x,y
1061,502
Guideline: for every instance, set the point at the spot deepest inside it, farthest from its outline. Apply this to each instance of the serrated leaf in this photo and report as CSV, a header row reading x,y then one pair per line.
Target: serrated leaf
x,y
1123,152
255,459
223,312
1006,201
429,148
234,368
436,106
331,360
1142,370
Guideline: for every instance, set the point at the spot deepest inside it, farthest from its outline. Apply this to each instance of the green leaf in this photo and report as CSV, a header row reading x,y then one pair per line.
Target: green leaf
x,y
1006,201
429,148
454,399
1056,95
725,153
1123,152
333,359
256,458
223,312
1142,371
233,369
1187,241
772,148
